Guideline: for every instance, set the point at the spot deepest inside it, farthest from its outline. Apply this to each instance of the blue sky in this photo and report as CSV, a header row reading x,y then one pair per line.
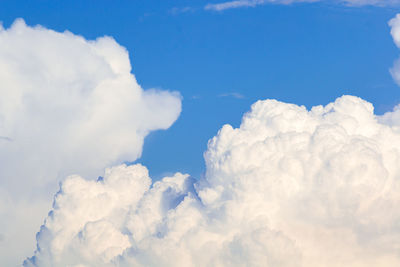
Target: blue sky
x,y
222,62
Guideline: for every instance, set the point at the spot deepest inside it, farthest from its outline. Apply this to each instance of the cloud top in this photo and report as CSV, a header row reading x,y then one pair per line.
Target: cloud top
x,y
289,187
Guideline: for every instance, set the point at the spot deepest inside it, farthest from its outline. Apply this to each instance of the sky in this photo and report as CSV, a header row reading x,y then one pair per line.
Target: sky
x,y
152,84
221,62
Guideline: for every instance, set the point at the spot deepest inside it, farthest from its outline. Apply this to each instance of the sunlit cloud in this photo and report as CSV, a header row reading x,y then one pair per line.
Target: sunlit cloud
x,y
68,105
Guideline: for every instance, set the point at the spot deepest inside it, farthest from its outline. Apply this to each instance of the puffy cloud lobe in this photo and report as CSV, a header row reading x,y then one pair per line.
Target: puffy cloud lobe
x,y
68,105
76,99
289,187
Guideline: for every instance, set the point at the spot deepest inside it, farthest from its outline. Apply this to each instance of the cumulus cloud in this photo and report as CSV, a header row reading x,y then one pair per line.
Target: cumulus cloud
x,y
68,105
253,3
289,187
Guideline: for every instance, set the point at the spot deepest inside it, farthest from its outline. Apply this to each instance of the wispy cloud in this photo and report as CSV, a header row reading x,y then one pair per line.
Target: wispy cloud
x,y
248,3
180,10
253,3
195,97
371,2
232,94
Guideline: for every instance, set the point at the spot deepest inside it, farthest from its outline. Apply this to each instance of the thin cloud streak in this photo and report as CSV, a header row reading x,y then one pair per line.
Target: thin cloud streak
x,y
232,94
181,10
253,3
247,3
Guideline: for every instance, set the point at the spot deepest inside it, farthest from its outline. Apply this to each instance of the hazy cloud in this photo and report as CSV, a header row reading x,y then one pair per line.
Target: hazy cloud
x,y
253,3
246,3
232,94
371,2
180,10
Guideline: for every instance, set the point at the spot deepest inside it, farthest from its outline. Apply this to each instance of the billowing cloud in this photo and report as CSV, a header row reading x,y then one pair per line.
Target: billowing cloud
x,y
253,3
289,187
67,105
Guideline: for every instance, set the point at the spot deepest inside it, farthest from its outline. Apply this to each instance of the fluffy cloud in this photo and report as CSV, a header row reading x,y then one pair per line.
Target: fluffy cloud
x,y
289,187
252,3
67,105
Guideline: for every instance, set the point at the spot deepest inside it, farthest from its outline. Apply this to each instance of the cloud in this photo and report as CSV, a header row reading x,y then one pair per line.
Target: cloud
x,y
180,10
391,118
380,3
232,94
395,32
69,105
289,187
253,3
243,3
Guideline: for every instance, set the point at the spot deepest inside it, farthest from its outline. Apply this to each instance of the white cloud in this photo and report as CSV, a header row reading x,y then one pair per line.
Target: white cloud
x,y
253,3
289,187
243,3
67,105
371,2
395,32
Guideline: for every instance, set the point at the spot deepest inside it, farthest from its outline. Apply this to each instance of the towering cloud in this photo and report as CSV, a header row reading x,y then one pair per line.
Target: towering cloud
x,y
289,187
67,105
